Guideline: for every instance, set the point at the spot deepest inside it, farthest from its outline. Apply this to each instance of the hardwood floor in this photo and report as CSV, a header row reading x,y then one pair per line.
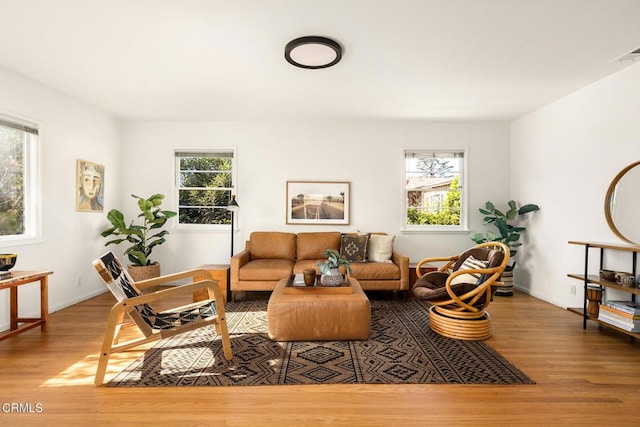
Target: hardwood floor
x,y
583,377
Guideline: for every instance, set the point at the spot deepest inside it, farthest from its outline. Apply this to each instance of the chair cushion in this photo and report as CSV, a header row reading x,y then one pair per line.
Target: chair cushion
x,y
272,245
380,248
178,316
311,245
431,287
493,256
354,248
470,263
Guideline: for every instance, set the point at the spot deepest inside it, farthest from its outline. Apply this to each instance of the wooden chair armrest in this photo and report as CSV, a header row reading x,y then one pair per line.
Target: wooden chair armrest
x,y
198,272
449,261
468,299
173,291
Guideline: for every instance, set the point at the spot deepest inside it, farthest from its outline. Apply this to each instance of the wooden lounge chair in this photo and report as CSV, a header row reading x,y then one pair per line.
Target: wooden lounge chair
x,y
153,324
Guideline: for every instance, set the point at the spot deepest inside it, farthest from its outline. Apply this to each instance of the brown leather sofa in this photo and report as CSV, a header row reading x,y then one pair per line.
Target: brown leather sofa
x,y
271,256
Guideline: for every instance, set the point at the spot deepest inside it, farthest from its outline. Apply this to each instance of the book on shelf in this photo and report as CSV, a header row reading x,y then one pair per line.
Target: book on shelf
x,y
632,307
619,313
626,324
5,275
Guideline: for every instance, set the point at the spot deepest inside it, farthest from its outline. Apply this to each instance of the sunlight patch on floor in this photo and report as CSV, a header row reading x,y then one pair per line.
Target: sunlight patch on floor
x,y
83,372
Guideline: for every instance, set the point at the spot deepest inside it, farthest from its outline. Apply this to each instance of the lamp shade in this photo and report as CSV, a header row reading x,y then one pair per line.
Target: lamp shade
x,y
233,204
313,52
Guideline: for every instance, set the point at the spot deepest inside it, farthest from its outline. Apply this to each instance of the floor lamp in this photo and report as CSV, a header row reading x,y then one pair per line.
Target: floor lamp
x,y
232,207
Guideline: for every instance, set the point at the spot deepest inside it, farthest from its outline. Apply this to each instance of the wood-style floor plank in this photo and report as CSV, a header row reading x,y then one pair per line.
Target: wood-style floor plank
x,y
583,377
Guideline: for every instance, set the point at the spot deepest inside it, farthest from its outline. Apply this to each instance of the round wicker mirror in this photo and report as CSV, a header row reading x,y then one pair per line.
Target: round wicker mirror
x,y
622,203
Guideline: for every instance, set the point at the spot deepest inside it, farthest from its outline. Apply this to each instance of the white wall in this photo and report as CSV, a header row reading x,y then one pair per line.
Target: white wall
x,y
367,154
563,157
69,130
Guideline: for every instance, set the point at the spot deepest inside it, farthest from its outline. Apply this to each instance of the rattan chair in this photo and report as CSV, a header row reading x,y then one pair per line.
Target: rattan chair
x,y
461,289
155,324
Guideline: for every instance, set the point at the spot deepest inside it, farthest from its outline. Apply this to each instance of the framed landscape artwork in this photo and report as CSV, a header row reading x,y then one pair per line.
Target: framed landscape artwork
x,y
89,186
317,202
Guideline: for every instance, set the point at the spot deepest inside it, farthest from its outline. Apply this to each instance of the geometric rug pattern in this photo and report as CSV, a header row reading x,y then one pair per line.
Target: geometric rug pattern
x,y
401,349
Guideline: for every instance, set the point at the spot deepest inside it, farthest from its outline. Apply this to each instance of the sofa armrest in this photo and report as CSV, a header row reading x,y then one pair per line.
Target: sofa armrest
x,y
402,262
237,261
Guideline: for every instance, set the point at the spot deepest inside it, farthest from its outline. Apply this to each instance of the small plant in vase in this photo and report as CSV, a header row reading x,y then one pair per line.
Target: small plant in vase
x,y
330,269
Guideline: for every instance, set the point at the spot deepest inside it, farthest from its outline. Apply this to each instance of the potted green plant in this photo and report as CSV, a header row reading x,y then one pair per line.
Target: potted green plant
x,y
508,233
143,238
330,269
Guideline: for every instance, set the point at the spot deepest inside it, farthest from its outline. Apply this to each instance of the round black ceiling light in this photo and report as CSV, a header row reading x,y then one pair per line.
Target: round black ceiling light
x,y
313,52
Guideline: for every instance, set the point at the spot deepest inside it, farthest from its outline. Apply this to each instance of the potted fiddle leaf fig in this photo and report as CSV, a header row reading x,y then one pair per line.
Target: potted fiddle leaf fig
x,y
330,269
142,238
508,233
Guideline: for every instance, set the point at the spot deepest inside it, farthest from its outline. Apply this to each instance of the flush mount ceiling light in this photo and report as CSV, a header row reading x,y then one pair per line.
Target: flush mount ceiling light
x,y
313,52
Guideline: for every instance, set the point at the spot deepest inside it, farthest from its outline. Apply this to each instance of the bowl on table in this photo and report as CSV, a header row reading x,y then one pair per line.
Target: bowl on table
x,y
7,261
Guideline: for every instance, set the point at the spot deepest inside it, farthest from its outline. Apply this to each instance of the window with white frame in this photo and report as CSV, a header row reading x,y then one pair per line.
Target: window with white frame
x,y
434,190
205,181
18,181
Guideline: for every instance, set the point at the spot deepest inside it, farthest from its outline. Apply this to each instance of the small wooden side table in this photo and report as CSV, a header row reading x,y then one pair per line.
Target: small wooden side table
x,y
19,278
220,272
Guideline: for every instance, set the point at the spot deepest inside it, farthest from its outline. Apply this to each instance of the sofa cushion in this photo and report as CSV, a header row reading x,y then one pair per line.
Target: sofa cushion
x,y
380,248
266,269
354,248
375,271
272,245
311,245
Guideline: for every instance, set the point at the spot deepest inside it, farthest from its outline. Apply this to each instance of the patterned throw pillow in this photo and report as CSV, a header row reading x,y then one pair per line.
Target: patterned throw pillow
x,y
474,278
354,248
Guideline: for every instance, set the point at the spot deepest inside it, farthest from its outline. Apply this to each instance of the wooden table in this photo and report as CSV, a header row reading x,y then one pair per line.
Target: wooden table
x,y
220,272
22,278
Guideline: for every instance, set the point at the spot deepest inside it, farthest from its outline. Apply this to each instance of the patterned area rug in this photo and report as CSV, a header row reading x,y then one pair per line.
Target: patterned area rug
x,y
400,350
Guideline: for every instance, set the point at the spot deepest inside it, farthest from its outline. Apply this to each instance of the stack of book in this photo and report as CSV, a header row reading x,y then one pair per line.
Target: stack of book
x,y
5,275
622,314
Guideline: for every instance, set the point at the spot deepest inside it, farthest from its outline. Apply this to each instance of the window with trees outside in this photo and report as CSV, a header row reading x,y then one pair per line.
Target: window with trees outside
x,y
205,181
18,182
434,190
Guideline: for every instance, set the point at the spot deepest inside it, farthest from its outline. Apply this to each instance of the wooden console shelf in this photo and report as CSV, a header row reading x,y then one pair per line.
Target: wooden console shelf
x,y
595,280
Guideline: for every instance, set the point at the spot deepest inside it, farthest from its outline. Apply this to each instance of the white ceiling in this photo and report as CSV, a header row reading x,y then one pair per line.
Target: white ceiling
x,y
403,59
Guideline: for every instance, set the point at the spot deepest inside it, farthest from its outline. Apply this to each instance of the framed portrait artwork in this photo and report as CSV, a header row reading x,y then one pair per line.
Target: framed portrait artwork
x,y
317,202
89,186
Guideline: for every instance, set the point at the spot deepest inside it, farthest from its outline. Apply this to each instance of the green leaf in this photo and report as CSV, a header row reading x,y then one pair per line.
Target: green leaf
x,y
502,228
490,206
528,208
513,237
116,218
512,205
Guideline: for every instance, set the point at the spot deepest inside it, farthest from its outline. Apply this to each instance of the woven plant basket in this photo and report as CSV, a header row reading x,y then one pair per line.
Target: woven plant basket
x,y
139,273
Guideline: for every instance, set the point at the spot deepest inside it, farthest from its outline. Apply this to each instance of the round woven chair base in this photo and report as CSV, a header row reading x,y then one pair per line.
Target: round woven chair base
x,y
461,329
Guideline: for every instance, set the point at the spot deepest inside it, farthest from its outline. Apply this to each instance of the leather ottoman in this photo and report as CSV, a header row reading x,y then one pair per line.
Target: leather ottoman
x,y
318,314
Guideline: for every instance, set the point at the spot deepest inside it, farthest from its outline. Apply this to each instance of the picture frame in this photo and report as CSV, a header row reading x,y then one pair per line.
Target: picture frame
x,y
318,202
89,186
